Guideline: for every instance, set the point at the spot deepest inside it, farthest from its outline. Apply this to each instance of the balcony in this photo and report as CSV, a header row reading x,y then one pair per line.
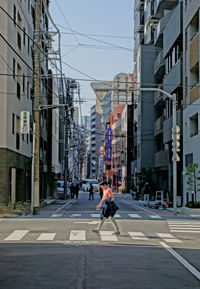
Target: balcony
x,y
161,159
161,5
158,34
138,41
149,35
194,93
174,78
194,48
159,65
139,21
158,96
167,126
138,4
149,11
158,126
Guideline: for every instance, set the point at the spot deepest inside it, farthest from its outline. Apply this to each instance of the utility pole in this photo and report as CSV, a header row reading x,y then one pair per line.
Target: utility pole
x,y
36,185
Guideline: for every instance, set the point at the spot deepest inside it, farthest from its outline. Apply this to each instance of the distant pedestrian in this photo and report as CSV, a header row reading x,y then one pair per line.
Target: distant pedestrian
x,y
91,193
108,208
77,190
101,192
72,188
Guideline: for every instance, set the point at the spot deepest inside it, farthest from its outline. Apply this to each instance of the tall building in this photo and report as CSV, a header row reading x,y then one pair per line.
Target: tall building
x,y
144,57
16,29
191,124
158,48
93,157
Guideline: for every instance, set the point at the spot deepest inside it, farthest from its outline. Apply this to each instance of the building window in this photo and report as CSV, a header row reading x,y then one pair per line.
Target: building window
x,y
28,89
194,125
188,159
23,82
28,45
14,62
19,38
14,14
18,90
13,123
18,133
24,36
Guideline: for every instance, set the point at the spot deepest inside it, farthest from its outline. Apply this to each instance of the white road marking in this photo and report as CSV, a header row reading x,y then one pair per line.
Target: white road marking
x,y
90,223
75,215
134,216
56,215
155,217
117,216
17,235
95,215
59,209
186,264
185,231
185,226
108,236
168,238
137,236
46,237
77,235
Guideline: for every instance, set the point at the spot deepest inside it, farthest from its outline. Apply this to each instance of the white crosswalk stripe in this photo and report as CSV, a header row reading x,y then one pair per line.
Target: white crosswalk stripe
x,y
168,238
46,237
77,235
56,215
108,236
136,216
17,235
184,227
137,236
117,216
75,215
155,217
95,215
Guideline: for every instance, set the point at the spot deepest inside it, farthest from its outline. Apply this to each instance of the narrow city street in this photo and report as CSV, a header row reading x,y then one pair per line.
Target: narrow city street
x,y
58,250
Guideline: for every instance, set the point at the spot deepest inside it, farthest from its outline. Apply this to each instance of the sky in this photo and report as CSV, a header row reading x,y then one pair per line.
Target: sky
x,y
96,40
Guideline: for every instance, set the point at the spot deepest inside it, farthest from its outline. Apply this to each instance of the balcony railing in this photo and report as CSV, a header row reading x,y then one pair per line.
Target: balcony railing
x,y
139,21
161,5
194,93
158,126
159,64
161,159
138,4
158,96
194,48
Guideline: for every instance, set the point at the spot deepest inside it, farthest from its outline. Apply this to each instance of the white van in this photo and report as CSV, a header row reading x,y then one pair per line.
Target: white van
x,y
60,189
87,182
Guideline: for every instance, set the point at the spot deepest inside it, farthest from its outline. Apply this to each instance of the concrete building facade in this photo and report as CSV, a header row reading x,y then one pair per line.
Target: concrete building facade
x,y
191,119
16,28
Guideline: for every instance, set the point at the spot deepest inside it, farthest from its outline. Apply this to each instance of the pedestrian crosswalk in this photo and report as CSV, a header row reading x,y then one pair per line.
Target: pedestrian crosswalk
x,y
97,215
192,227
87,235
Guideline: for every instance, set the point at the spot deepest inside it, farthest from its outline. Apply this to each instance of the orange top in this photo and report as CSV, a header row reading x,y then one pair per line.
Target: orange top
x,y
106,194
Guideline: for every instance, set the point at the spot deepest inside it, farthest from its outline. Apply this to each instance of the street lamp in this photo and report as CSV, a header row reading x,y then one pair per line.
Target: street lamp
x,y
174,145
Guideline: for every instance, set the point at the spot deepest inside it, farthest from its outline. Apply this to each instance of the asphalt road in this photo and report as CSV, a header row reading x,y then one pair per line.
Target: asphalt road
x,y
58,250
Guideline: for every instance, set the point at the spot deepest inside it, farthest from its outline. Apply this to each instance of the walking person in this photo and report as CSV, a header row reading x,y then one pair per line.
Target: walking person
x,y
91,193
109,208
77,190
101,192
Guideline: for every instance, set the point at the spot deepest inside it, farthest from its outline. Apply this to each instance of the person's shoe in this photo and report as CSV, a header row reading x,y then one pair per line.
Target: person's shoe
x,y
117,233
95,231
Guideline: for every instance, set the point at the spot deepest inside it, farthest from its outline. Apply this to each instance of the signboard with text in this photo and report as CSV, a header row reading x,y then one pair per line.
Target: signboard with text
x,y
109,144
